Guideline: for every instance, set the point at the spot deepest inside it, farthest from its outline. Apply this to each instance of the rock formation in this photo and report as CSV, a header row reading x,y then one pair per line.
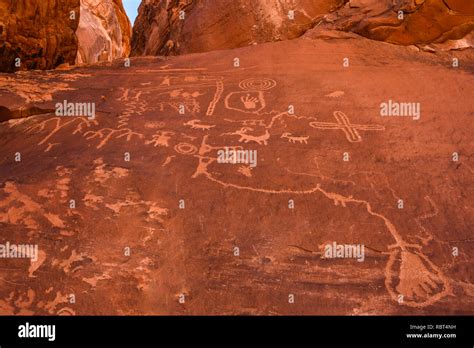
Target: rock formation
x,y
40,33
185,26
133,203
406,22
45,34
104,31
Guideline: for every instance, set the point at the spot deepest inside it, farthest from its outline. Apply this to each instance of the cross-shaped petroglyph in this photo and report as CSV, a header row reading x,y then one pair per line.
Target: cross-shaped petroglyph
x,y
349,129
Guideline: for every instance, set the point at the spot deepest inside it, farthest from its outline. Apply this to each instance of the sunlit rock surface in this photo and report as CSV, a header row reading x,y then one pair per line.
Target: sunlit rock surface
x,y
177,27
104,31
133,213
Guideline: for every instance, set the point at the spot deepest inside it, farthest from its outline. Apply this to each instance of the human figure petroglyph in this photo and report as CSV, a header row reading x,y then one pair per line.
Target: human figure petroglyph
x,y
195,124
344,124
160,138
294,140
185,90
124,96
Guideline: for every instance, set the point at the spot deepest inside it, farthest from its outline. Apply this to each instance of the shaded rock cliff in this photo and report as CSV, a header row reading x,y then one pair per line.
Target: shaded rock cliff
x,y
45,34
40,33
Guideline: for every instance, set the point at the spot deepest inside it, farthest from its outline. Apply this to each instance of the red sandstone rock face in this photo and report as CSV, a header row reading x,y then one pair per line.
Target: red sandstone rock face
x,y
104,31
174,156
406,22
40,33
212,25
45,34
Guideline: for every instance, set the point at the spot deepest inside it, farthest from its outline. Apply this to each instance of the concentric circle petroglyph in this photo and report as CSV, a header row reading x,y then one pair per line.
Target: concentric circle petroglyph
x,y
185,149
257,84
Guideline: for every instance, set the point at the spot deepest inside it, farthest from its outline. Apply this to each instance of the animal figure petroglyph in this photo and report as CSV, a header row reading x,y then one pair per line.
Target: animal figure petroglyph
x,y
294,140
194,124
244,137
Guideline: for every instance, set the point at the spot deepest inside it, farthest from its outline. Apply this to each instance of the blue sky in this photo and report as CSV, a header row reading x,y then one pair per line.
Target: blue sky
x,y
131,7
